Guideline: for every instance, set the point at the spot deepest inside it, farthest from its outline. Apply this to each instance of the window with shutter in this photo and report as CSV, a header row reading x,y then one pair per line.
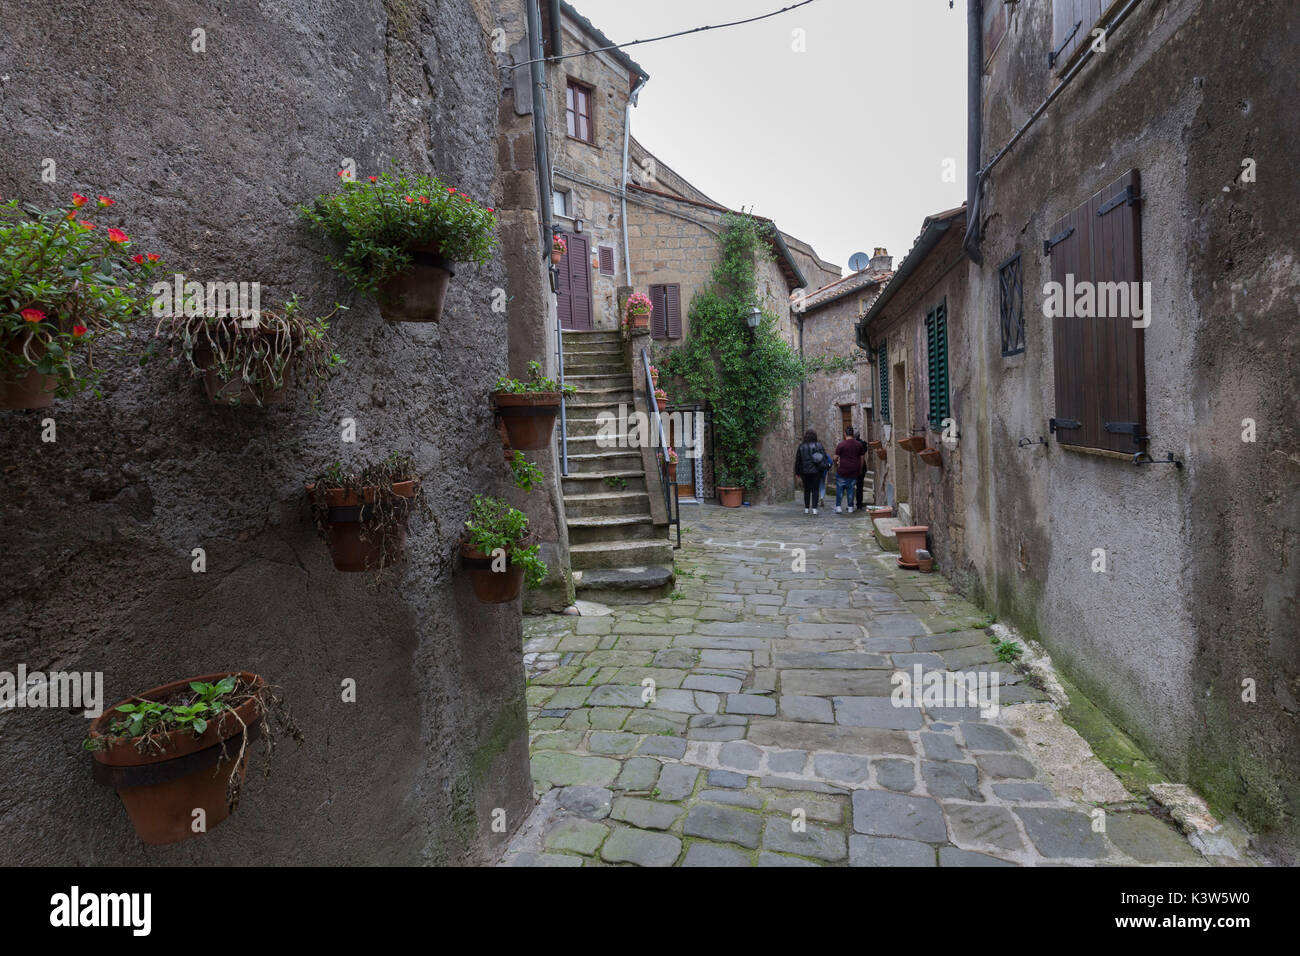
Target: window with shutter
x,y
574,286
673,311
1072,24
936,334
882,373
606,254
577,108
1098,356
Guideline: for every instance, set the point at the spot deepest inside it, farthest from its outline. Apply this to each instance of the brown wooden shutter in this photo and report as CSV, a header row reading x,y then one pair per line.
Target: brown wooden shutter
x,y
673,311
579,263
564,297
1099,362
1072,25
659,312
606,254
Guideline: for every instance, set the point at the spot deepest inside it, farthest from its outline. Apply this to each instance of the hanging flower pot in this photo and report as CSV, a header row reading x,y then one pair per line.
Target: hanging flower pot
x,y
166,764
400,235
672,466
638,309
654,375
496,528
364,516
558,248
21,385
730,497
882,454
528,409
910,539
661,399
875,444
932,456
913,444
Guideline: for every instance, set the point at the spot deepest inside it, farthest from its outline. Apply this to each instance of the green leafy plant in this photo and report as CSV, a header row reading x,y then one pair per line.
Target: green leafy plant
x,y
266,354
385,510
185,711
527,475
494,524
744,376
536,382
68,288
378,221
1007,651
616,482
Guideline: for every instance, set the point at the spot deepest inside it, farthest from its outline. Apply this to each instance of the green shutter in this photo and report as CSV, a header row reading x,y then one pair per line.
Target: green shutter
x,y
882,371
936,332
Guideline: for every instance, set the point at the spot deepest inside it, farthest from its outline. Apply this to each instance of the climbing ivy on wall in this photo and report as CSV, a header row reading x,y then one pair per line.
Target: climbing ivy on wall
x,y
744,377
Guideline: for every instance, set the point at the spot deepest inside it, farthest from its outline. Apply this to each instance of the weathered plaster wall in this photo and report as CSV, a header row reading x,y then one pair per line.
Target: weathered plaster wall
x,y
1203,570
207,155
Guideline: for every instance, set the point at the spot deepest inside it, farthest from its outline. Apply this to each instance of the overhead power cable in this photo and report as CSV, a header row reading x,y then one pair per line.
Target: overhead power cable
x,y
669,36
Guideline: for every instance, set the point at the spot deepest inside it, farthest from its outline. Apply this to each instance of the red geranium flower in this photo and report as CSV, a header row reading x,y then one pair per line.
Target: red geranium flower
x,y
490,209
116,235
79,200
138,259
153,257
425,200
451,189
409,199
85,225
105,201
374,179
32,315
78,331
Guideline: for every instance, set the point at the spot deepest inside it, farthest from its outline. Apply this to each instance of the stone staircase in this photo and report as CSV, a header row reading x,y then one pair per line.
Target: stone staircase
x,y
618,555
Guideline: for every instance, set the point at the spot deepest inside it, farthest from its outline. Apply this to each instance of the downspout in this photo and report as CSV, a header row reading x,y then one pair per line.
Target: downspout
x,y
974,126
803,387
622,186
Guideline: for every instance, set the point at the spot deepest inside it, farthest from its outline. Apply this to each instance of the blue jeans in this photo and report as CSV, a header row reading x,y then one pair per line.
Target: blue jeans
x,y
845,488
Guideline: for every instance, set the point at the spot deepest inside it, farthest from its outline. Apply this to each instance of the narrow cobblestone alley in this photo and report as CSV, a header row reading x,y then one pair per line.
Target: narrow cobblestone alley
x,y
771,697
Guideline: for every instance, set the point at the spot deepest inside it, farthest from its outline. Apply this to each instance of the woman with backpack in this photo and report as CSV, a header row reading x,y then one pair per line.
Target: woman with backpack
x,y
810,464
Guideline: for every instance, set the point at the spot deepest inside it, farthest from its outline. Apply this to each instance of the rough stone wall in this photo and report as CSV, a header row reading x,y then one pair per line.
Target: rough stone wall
x,y
1203,571
207,155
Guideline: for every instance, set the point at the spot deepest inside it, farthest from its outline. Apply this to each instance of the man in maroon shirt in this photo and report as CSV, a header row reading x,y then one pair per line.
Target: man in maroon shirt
x,y
848,465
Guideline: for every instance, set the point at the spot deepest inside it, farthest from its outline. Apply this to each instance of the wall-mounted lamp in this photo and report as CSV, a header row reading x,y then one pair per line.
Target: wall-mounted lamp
x,y
755,316
577,225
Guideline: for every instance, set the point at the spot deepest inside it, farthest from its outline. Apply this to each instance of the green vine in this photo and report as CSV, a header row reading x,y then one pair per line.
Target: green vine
x,y
744,376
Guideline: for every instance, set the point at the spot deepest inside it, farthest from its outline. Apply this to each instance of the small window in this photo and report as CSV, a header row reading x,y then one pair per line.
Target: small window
x,y
666,317
882,375
1012,306
936,333
561,202
577,106
606,255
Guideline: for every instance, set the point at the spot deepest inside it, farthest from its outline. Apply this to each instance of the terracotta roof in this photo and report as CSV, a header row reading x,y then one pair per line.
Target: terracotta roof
x,y
842,287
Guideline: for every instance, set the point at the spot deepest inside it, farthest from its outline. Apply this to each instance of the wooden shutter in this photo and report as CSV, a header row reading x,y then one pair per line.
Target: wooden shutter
x,y
1099,362
659,312
578,259
1072,25
564,297
936,332
606,254
882,373
673,311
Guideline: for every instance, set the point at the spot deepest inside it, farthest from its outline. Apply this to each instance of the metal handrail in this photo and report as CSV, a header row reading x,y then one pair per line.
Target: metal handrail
x,y
672,503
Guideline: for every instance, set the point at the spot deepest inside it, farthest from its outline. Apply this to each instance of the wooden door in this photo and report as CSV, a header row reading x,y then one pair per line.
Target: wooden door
x,y
574,286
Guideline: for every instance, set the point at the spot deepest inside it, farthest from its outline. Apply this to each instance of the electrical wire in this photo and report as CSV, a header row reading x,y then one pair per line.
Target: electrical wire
x,y
669,36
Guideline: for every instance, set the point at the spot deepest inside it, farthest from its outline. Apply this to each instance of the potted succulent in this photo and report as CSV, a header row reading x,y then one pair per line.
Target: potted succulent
x,y
910,539
913,443
68,290
661,399
253,360
932,456
528,409
638,310
496,551
363,515
183,747
558,248
400,237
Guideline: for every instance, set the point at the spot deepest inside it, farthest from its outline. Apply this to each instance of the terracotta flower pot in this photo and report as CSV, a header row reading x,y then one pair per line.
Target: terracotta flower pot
x,y
557,256
662,403
875,444
235,391
910,539
913,444
640,320
924,561
880,512
672,472
416,293
162,789
377,549
882,454
932,456
28,389
529,417
730,497
491,587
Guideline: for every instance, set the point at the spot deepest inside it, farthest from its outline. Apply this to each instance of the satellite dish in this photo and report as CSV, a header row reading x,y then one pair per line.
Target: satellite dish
x,y
859,261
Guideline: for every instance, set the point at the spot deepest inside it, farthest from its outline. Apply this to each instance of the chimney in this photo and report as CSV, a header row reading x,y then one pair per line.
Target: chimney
x,y
881,261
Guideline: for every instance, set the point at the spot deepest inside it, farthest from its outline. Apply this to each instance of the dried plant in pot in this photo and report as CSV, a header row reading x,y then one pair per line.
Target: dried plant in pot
x,y
363,515
400,236
177,754
70,289
253,359
497,552
528,409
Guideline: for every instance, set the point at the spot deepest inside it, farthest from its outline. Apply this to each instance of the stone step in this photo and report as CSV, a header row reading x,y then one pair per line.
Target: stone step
x,y
613,529
581,426
583,363
630,585
609,503
884,531
619,460
602,397
602,380
594,335
595,483
621,554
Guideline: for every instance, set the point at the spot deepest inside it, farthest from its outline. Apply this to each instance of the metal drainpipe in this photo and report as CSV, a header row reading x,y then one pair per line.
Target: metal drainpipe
x,y
974,126
622,186
803,387
543,163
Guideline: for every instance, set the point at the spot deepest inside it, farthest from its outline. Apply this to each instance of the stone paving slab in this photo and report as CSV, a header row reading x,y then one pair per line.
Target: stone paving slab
x,y
754,722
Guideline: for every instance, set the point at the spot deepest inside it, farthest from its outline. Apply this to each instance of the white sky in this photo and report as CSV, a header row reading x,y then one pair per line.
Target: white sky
x,y
842,145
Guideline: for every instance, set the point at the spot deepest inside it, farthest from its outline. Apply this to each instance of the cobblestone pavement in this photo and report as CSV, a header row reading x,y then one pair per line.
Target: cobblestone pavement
x,y
771,738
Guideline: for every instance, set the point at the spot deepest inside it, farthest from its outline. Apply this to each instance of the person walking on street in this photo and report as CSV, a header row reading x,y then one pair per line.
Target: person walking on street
x,y
848,465
862,474
811,463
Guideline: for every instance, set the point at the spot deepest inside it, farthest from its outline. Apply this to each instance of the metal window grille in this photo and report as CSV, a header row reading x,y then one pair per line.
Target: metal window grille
x,y
1012,305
